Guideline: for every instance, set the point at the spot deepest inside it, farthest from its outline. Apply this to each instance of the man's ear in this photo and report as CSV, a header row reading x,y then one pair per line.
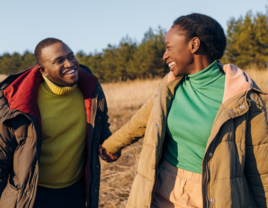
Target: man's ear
x,y
195,44
42,70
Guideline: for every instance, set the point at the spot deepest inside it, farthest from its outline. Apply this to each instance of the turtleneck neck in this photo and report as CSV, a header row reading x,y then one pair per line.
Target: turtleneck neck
x,y
58,90
206,76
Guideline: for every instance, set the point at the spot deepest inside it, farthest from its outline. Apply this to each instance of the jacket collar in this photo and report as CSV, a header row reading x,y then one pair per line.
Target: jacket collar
x,y
236,81
22,93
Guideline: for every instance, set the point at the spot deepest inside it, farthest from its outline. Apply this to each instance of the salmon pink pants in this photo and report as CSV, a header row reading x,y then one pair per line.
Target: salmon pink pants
x,y
177,188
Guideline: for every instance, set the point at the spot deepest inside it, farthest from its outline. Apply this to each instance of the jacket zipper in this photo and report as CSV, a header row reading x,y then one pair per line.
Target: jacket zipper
x,y
31,196
160,155
35,172
156,173
90,142
207,179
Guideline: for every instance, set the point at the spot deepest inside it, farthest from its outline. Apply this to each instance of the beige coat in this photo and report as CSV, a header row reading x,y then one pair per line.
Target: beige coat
x,y
235,164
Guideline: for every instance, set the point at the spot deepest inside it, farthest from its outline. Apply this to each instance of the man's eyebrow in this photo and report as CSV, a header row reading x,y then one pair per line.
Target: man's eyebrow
x,y
166,42
56,59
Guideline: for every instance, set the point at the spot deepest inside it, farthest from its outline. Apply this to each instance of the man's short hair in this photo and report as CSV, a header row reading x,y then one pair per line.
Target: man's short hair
x,y
42,44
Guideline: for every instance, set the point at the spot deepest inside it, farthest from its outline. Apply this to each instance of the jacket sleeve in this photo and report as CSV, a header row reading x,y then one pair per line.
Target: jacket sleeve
x,y
7,147
132,130
256,165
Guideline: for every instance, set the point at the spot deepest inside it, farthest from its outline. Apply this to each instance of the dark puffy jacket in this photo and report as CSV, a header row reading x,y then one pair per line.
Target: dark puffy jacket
x,y
20,136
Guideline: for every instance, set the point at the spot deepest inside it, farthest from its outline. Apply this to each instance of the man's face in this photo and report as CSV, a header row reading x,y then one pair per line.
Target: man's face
x,y
178,54
59,64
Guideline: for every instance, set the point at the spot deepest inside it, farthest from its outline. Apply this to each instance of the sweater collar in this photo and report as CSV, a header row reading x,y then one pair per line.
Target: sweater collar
x,y
57,90
236,81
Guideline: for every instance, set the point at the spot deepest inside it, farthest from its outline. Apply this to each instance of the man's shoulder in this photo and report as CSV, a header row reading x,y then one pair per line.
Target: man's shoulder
x,y
11,78
85,68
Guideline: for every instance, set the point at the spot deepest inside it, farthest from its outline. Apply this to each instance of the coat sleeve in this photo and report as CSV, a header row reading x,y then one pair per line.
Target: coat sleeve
x,y
132,130
256,165
7,147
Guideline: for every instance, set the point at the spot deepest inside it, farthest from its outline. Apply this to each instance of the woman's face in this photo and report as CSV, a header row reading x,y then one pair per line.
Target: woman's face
x,y
178,54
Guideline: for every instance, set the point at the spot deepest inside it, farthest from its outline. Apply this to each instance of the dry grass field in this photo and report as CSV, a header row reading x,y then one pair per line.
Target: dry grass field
x,y
124,99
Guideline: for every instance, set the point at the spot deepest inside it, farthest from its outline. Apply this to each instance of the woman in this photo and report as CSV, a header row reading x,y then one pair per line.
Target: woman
x,y
206,131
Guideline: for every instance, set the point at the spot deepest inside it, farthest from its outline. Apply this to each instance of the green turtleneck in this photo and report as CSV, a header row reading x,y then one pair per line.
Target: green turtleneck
x,y
193,110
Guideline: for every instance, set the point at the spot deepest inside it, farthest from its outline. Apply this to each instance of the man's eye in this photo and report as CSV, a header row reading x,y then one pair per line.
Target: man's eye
x,y
71,57
60,61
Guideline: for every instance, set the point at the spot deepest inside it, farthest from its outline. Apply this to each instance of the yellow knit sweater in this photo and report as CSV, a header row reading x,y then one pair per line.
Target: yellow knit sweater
x,y
63,117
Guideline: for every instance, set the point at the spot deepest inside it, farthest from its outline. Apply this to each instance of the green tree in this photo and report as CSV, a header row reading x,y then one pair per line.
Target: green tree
x,y
10,63
148,56
247,41
28,60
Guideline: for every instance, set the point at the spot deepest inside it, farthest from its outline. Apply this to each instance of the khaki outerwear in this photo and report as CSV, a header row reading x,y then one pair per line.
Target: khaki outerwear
x,y
20,148
235,164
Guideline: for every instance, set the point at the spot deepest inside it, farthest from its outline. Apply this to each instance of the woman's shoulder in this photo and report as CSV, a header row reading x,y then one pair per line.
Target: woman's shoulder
x,y
169,77
164,80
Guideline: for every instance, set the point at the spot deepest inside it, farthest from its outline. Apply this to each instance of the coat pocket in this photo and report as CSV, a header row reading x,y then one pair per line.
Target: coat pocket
x,y
9,196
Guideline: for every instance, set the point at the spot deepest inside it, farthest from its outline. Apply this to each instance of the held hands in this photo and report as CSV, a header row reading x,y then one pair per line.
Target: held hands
x,y
108,156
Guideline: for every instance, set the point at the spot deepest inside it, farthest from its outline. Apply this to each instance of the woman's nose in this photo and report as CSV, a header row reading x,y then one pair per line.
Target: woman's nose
x,y
165,56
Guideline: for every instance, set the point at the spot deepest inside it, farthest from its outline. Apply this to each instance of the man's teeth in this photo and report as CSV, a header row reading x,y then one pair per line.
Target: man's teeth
x,y
70,72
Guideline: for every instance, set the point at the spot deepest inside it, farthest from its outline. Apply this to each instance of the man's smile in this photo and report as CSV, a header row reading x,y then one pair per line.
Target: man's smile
x,y
70,71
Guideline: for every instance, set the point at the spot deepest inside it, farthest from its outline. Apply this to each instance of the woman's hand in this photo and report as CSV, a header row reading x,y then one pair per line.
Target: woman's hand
x,y
108,156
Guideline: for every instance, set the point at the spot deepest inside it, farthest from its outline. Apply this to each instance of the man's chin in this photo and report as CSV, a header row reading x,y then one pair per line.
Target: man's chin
x,y
72,83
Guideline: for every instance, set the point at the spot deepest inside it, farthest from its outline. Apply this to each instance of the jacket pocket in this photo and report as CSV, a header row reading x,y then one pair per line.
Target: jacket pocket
x,y
9,196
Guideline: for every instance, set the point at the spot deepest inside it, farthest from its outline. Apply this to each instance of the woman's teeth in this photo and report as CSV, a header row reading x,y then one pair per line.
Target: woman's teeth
x,y
171,64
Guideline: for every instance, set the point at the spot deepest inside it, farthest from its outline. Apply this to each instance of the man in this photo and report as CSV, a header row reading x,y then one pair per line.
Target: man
x,y
52,119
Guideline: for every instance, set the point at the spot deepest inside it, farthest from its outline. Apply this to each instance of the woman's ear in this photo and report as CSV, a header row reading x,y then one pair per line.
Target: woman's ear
x,y
195,44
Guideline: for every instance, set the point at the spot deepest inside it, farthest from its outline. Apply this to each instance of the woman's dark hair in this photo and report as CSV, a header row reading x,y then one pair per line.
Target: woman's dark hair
x,y
42,44
208,30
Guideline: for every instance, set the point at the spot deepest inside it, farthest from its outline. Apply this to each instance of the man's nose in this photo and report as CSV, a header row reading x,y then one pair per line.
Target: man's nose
x,y
68,63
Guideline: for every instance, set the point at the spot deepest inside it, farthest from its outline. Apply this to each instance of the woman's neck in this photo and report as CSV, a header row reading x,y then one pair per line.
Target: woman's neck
x,y
200,62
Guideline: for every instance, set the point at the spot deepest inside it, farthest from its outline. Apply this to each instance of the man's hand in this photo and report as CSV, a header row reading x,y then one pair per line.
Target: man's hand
x,y
108,156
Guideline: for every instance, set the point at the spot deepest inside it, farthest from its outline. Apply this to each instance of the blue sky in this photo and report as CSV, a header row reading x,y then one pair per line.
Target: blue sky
x,y
91,25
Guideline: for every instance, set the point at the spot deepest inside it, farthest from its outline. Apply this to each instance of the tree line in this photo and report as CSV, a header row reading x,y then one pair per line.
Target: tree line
x,y
247,46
